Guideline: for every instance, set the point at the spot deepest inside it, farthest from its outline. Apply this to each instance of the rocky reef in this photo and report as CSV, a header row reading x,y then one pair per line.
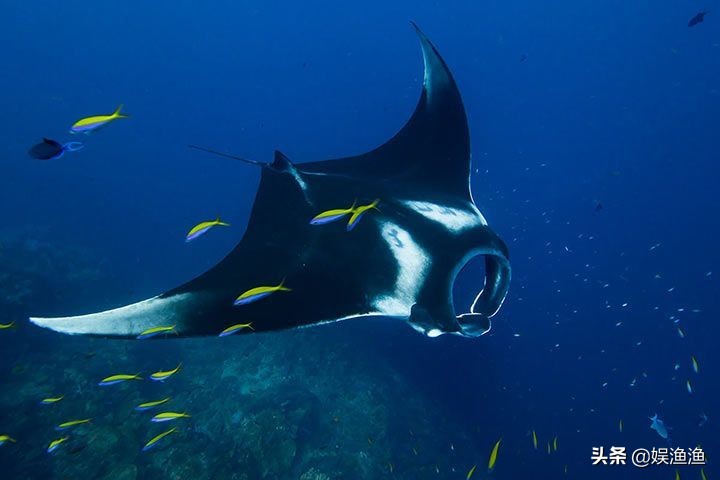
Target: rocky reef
x,y
311,404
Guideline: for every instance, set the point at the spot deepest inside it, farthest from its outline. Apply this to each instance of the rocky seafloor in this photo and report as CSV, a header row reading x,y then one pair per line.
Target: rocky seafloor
x,y
311,404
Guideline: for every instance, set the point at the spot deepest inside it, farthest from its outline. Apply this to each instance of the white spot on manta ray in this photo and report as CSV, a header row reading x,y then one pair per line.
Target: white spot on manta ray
x,y
454,219
413,264
128,320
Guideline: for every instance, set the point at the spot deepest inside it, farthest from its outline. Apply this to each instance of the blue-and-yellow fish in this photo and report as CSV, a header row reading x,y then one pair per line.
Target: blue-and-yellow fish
x,y
90,124
113,379
329,216
51,400
161,376
695,366
257,293
150,405
203,227
155,331
157,438
55,444
470,472
72,424
493,456
359,212
5,439
235,328
168,416
534,438
5,326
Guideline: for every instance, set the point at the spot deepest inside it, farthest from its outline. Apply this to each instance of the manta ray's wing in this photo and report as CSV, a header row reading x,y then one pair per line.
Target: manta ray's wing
x,y
432,148
399,261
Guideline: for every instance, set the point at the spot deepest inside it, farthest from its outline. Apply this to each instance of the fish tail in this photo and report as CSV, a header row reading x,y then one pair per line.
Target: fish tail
x,y
282,286
251,327
117,113
374,204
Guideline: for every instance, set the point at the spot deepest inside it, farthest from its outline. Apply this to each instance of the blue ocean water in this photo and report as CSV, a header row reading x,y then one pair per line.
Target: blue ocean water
x,y
571,105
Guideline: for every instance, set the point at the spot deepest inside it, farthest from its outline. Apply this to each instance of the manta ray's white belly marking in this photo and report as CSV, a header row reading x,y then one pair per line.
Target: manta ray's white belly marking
x,y
413,264
454,219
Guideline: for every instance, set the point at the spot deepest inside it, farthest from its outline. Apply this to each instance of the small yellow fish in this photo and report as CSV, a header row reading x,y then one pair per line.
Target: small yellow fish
x,y
548,447
555,444
5,326
390,466
358,213
470,473
329,216
90,124
203,227
6,438
702,474
157,438
695,364
162,376
154,331
51,400
72,423
689,387
493,456
534,439
148,405
235,328
55,444
113,379
620,426
168,416
255,294
677,474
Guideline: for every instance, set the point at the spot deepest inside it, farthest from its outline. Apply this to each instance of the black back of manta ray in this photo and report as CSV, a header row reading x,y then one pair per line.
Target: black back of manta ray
x,y
400,261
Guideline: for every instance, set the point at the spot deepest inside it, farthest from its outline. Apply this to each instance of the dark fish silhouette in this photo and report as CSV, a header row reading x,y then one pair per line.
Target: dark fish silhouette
x,y
697,18
598,207
400,261
49,149
523,57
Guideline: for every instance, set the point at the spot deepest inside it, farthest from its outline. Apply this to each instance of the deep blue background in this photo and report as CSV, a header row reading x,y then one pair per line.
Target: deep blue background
x,y
616,103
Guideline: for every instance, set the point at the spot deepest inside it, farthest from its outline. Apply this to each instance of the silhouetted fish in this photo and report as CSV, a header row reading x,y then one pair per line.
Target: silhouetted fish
x,y
49,149
46,150
598,207
697,18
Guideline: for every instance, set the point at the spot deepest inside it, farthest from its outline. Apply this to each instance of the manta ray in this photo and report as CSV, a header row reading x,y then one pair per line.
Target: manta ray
x,y
400,261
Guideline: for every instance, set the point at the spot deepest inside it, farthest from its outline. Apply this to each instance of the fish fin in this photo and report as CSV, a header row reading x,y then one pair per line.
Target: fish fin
x,y
117,113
